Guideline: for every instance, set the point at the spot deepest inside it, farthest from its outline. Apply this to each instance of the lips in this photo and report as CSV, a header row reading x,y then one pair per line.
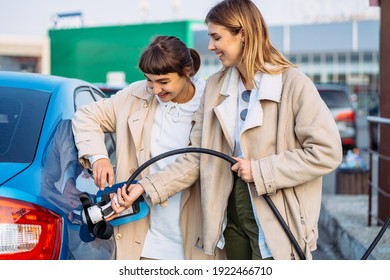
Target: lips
x,y
162,95
220,55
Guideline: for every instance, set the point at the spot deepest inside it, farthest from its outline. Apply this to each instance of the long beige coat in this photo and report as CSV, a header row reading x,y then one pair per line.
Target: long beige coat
x,y
130,114
296,143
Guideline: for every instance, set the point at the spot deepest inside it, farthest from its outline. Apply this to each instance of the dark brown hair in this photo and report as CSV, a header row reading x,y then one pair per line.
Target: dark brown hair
x,y
168,54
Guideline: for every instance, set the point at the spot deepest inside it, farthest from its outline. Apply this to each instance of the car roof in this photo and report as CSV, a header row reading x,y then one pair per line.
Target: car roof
x,y
330,86
35,81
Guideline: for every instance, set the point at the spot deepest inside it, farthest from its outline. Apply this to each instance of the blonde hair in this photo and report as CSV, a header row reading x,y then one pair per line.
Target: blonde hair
x,y
243,15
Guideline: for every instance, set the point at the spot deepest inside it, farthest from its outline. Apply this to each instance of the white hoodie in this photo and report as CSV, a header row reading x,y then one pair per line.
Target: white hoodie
x,y
170,131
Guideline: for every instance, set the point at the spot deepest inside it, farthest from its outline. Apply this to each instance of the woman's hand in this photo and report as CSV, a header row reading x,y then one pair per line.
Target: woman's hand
x,y
125,198
243,169
103,173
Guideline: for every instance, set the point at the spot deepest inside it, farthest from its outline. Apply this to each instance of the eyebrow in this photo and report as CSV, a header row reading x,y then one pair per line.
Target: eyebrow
x,y
159,80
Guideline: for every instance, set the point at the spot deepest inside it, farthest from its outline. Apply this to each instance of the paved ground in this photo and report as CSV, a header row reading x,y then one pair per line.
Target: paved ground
x,y
345,219
327,249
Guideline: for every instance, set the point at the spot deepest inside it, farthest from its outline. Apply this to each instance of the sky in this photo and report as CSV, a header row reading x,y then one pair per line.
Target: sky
x,y
35,17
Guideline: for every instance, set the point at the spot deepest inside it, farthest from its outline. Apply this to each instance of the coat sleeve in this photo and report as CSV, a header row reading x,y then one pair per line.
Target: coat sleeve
x,y
312,151
91,121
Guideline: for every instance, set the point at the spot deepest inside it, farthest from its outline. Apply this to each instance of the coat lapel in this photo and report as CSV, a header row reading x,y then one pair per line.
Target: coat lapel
x,y
226,112
136,122
140,123
269,88
254,117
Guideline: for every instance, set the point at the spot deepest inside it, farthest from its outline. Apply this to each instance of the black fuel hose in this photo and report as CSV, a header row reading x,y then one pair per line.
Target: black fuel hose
x,y
377,238
232,161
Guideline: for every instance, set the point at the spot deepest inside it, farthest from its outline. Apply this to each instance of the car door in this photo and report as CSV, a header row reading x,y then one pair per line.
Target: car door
x,y
64,179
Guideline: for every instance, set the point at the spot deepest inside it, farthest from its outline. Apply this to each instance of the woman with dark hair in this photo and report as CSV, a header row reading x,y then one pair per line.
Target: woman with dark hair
x,y
149,117
269,116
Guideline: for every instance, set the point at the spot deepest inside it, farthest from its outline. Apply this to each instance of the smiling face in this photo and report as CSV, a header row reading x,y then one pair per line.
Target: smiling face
x,y
170,87
226,45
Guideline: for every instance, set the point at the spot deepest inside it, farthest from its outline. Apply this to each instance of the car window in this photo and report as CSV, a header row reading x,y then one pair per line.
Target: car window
x,y
110,91
21,117
86,95
335,98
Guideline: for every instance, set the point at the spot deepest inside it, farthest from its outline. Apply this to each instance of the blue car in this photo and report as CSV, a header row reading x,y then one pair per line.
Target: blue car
x,y
41,178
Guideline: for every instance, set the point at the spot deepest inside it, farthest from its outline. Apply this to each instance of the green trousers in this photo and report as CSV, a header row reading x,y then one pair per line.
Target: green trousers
x,y
241,233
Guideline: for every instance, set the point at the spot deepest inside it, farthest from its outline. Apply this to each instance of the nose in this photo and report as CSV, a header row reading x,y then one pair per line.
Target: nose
x,y
211,47
156,89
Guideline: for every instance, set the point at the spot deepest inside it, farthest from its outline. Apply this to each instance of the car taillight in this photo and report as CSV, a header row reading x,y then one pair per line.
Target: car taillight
x,y
348,141
347,116
28,231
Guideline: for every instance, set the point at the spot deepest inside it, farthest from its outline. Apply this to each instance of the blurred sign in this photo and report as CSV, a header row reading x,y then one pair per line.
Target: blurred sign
x,y
67,20
116,78
375,2
359,79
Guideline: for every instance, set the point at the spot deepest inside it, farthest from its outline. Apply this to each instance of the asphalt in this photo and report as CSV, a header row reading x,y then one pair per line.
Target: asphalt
x,y
344,233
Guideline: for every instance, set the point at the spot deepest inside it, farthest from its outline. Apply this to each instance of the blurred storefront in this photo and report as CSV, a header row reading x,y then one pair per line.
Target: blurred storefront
x,y
24,53
337,52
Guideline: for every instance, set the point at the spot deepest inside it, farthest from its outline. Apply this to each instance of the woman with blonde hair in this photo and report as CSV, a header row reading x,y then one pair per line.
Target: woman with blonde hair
x,y
269,116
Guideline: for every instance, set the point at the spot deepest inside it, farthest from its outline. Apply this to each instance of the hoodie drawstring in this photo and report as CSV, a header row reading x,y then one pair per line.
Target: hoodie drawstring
x,y
172,109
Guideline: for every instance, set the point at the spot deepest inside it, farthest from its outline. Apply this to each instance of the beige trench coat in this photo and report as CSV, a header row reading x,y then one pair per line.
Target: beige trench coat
x,y
130,113
295,145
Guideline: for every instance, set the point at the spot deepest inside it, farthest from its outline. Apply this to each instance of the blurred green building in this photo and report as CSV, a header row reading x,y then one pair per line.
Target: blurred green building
x,y
110,54
336,52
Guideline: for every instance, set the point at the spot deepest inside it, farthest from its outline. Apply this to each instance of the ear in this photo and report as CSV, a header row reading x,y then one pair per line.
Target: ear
x,y
187,71
242,33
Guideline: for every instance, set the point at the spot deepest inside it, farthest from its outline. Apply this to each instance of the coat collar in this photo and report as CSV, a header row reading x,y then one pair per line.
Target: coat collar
x,y
269,88
141,92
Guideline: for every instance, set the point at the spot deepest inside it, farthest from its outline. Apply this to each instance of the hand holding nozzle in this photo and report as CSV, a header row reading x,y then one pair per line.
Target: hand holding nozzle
x,y
125,197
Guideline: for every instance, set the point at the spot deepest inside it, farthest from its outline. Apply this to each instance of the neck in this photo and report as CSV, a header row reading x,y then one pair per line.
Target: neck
x,y
187,94
244,77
